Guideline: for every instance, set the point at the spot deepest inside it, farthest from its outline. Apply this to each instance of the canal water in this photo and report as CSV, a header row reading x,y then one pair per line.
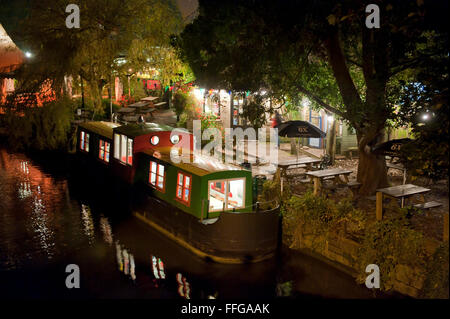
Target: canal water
x,y
50,218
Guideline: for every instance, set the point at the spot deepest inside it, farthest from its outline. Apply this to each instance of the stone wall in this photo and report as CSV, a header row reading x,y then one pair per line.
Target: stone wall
x,y
344,251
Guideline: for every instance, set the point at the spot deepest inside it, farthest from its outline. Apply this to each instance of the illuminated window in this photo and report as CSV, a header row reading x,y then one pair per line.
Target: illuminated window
x,y
226,194
104,148
154,140
183,192
157,176
84,141
123,148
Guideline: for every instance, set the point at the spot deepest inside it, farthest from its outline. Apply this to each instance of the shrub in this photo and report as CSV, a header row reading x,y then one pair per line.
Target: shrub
x,y
271,195
318,216
436,281
41,128
388,244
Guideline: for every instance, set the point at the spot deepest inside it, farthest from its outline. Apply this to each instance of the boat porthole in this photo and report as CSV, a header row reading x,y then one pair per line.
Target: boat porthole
x,y
154,140
175,139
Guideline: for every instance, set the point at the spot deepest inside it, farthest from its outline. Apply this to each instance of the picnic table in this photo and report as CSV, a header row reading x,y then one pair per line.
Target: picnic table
x,y
332,173
126,110
140,104
160,104
402,192
307,163
149,98
149,110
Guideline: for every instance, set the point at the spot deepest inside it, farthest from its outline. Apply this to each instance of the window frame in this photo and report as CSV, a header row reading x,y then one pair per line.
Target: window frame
x,y
83,137
163,189
183,187
118,152
226,192
105,151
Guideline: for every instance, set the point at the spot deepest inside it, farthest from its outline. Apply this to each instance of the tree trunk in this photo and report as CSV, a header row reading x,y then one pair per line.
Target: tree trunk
x,y
372,172
331,142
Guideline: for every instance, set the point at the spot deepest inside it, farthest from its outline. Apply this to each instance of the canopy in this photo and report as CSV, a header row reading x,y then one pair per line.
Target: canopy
x,y
10,55
299,129
390,148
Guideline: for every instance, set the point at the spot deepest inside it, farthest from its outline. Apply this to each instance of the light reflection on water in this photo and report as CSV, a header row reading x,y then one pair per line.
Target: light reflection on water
x,y
48,221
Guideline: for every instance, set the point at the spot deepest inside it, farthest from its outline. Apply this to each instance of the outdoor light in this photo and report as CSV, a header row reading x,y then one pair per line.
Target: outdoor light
x,y
28,54
425,117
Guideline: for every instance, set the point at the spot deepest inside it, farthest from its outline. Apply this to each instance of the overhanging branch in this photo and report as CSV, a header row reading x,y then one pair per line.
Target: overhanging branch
x,y
319,101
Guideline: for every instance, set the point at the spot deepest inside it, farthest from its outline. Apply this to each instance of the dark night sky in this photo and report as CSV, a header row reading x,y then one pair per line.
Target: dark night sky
x,y
13,11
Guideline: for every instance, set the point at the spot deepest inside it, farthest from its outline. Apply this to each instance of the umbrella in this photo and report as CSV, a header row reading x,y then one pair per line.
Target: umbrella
x,y
299,129
392,148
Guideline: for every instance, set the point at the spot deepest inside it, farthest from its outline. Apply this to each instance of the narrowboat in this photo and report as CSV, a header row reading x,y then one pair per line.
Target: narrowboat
x,y
201,203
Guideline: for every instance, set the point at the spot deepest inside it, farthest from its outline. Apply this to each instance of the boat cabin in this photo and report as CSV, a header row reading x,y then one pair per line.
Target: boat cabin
x,y
131,139
95,140
200,186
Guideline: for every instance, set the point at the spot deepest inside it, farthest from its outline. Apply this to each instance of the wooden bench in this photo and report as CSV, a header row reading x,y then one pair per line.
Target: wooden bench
x,y
428,205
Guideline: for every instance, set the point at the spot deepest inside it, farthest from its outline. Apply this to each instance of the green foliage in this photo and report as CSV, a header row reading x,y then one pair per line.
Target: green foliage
x,y
427,95
41,128
183,102
271,195
436,282
319,49
319,216
255,111
138,30
388,244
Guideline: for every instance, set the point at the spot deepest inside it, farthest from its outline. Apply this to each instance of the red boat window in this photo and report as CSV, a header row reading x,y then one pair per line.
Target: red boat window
x,y
104,148
157,175
184,185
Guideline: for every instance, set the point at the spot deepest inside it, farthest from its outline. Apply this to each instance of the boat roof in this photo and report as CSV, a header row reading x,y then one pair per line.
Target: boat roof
x,y
100,127
196,164
138,129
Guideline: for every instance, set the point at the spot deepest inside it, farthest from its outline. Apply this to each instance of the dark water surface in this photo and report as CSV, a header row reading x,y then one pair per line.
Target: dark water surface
x,y
50,218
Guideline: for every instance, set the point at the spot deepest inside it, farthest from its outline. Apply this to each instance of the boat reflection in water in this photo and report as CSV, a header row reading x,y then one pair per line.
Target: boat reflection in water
x,y
50,218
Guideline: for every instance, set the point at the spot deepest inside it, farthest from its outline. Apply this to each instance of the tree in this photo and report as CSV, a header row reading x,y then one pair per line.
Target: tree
x,y
138,30
424,104
321,49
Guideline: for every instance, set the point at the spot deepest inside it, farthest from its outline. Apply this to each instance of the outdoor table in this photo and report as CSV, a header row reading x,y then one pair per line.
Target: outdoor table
x,y
335,173
305,162
140,104
160,104
400,191
126,110
147,111
149,98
